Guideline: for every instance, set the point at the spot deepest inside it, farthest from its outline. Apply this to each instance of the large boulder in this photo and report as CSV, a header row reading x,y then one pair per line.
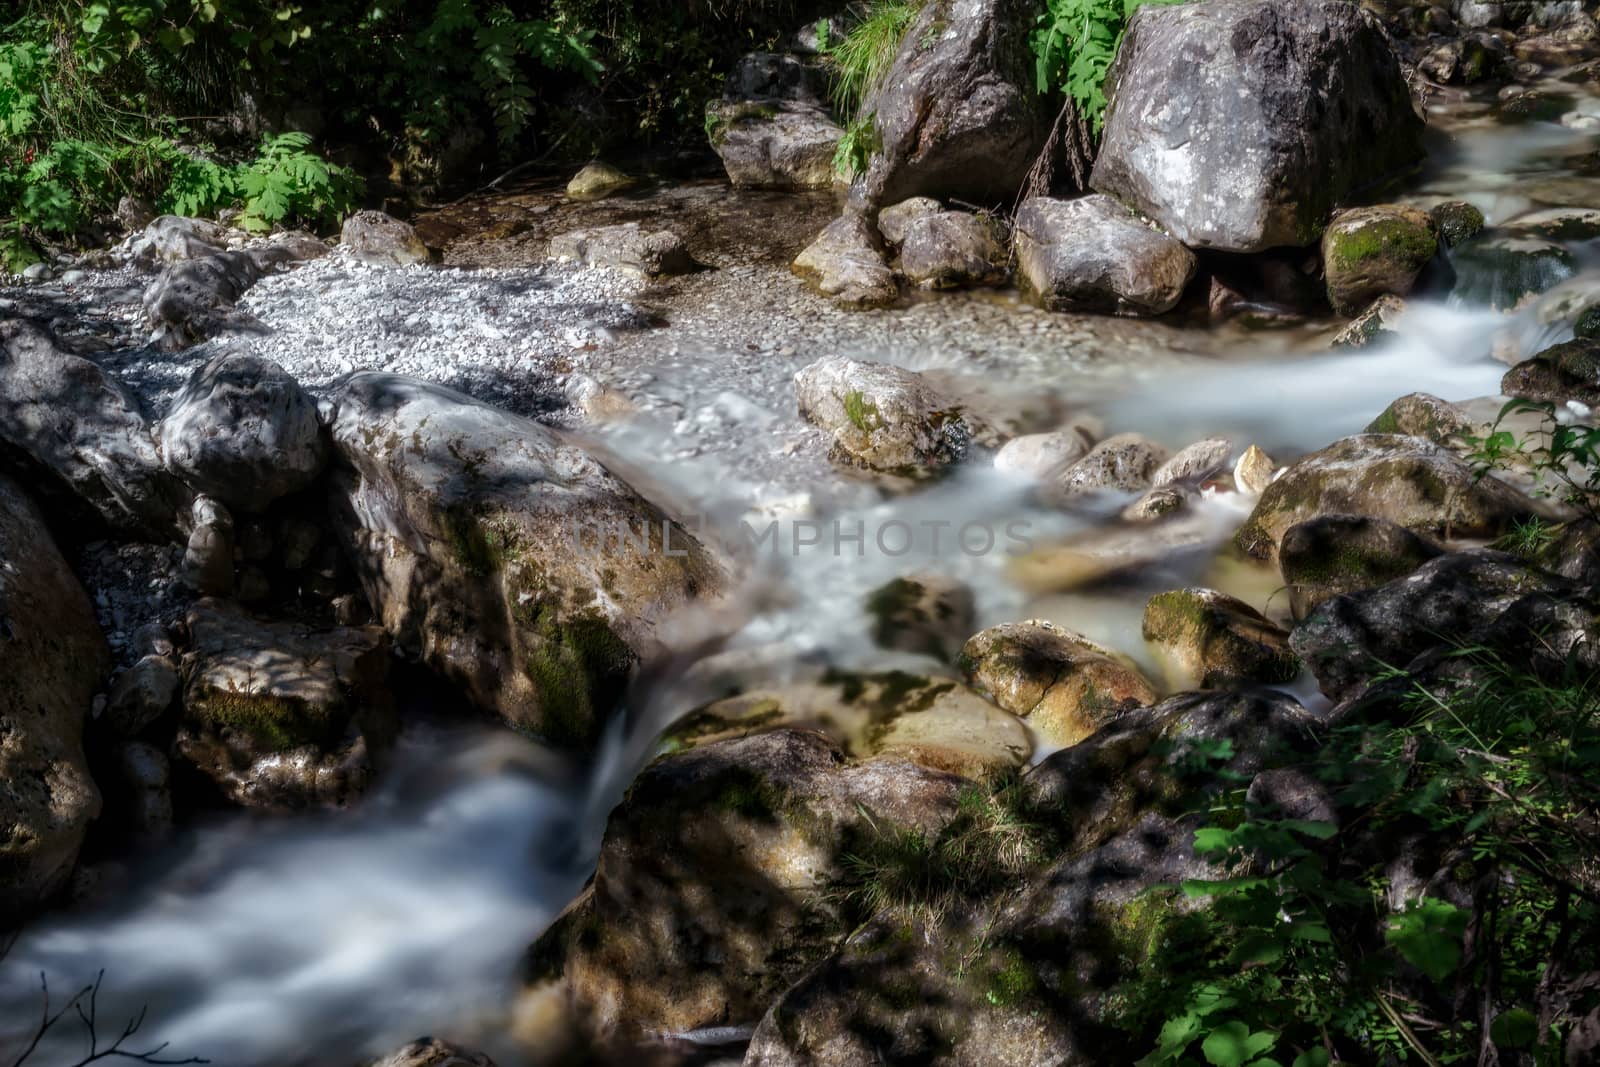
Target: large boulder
x,y
1240,125
1064,685
244,431
81,439
193,298
1092,255
956,115
712,891
771,128
954,250
504,556
882,417
1406,480
52,661
280,716
1370,252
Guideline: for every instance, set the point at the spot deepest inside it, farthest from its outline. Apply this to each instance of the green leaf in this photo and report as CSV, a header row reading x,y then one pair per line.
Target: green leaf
x,y
1312,1057
1515,1028
1428,934
1233,1044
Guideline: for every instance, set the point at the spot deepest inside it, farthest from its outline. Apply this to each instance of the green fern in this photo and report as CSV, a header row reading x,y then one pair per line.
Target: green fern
x,y
1074,45
287,179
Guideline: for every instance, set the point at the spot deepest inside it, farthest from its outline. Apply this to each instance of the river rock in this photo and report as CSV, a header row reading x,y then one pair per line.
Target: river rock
x,y
194,298
1561,373
432,1052
1064,685
1194,463
1254,471
847,262
596,181
1092,255
928,614
244,431
1126,462
1110,552
954,250
141,695
932,722
134,213
53,659
80,438
280,716
175,238
894,221
957,114
1347,640
711,893
481,540
1424,415
626,247
1209,640
1310,88
1337,554
1501,270
1368,252
1456,221
382,241
1373,326
207,565
774,143
882,417
1038,455
146,779
1406,480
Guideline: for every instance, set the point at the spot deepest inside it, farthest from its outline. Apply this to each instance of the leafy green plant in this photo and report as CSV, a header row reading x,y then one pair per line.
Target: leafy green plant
x,y
1074,44
286,180
862,413
1563,458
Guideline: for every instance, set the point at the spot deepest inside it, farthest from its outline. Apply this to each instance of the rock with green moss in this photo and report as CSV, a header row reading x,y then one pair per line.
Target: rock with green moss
x,y
847,262
930,614
596,181
1337,554
283,717
1062,684
1564,372
883,418
1373,326
1425,415
504,556
1125,462
1370,251
1501,270
1206,639
53,660
933,722
1456,221
1406,480
716,885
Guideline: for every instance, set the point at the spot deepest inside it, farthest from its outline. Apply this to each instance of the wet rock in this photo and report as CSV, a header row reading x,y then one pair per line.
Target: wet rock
x,y
1254,471
1349,639
432,1052
1092,255
1208,640
1038,455
141,695
882,417
280,716
931,722
1103,554
1368,252
712,887
208,557
80,438
1126,462
1561,373
53,659
481,540
382,241
1328,114
596,181
954,250
242,430
625,247
1372,326
956,115
1160,502
1405,480
147,784
1337,554
929,614
1065,686
1195,462
774,144
847,262
1456,222
1559,224
894,221
1500,271
1424,415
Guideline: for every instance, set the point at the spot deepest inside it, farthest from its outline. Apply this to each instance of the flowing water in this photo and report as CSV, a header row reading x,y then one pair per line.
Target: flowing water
x,y
323,939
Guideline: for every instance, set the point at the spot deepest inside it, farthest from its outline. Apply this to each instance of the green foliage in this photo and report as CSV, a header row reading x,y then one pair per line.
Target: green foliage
x,y
1073,46
287,181
1298,956
1563,458
863,414
859,61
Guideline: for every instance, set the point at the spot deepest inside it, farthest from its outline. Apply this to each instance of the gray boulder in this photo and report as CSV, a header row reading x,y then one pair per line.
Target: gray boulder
x,y
1568,371
1092,255
193,298
52,659
382,241
504,556
625,247
772,129
882,417
954,250
81,439
896,220
175,238
847,262
244,431
957,114
1240,125
1126,462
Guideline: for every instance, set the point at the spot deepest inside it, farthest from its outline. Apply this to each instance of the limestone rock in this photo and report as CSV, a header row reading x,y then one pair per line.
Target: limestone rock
x,y
1369,252
1092,255
596,181
382,241
847,262
882,417
954,250
625,247
1208,640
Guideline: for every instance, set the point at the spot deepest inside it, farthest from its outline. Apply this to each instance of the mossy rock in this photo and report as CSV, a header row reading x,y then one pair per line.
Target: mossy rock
x,y
598,180
1561,373
1208,639
1338,554
1370,251
1371,327
1424,415
928,614
1456,221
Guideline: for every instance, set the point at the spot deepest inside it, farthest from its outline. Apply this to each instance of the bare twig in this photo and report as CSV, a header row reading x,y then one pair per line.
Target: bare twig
x,y
85,1003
